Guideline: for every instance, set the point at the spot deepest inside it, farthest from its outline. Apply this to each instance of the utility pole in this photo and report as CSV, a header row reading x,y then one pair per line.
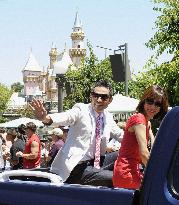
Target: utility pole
x,y
126,68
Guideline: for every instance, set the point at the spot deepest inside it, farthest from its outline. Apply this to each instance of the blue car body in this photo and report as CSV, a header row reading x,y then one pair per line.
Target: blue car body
x,y
160,184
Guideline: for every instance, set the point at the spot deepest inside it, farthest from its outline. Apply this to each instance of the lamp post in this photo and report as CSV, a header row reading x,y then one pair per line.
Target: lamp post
x,y
105,50
60,69
60,80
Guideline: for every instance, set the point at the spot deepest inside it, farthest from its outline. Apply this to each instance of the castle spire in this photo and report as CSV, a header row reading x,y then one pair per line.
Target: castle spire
x,y
77,51
53,55
77,23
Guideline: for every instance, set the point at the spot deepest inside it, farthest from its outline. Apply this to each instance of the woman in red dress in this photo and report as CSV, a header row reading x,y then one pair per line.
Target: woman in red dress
x,y
134,151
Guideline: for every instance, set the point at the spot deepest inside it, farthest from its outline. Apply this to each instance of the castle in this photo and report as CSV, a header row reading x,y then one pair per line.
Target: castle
x,y
41,83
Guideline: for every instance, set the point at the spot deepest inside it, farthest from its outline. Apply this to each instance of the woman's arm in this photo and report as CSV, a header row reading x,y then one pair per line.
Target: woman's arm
x,y
140,132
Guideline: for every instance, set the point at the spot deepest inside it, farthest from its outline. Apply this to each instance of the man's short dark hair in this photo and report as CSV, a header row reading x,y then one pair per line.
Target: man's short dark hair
x,y
12,132
21,129
103,83
2,130
31,126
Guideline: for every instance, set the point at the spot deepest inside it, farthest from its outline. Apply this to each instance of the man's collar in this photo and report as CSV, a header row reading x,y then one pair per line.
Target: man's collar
x,y
97,114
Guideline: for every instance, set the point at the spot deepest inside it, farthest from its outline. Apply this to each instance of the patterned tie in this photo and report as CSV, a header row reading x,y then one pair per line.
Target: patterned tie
x,y
98,142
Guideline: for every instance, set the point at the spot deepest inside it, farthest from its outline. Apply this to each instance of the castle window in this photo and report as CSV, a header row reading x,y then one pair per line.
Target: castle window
x,y
78,46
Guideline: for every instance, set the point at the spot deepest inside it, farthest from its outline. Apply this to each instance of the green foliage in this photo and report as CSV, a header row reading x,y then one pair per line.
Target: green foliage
x,y
4,97
84,77
17,87
166,37
26,112
165,75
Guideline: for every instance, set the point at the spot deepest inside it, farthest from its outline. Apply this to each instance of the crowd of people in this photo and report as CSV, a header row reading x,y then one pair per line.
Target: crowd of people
x,y
23,148
86,145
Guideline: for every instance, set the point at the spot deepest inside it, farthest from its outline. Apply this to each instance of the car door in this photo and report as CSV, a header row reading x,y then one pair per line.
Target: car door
x,y
27,187
35,193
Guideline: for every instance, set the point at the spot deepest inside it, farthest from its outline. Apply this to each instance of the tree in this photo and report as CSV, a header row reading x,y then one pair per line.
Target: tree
x,y
4,97
84,77
26,112
165,75
17,87
166,39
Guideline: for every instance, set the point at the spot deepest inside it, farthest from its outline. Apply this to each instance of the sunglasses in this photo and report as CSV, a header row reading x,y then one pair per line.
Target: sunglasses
x,y
151,101
102,96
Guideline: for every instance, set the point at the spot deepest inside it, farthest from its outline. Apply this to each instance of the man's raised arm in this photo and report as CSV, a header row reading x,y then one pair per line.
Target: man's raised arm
x,y
40,112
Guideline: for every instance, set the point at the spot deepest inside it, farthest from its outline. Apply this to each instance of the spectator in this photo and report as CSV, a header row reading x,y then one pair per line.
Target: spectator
x,y
44,153
6,148
22,132
65,132
32,152
134,151
17,145
1,154
3,133
57,144
81,159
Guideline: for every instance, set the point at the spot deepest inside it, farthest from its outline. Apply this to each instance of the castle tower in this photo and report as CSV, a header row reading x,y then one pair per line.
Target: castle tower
x,y
77,51
50,79
32,77
53,56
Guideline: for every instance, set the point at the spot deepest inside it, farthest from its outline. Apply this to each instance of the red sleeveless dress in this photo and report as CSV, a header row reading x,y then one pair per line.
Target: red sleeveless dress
x,y
126,172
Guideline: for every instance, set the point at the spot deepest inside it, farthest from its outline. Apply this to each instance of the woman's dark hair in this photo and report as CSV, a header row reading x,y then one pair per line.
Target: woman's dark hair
x,y
156,92
31,126
103,83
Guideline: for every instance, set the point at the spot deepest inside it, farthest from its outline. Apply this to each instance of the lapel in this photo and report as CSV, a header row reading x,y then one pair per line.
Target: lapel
x,y
92,118
105,129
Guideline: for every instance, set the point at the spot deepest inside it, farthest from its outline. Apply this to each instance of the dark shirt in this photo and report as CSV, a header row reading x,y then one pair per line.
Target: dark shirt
x,y
23,138
17,146
54,150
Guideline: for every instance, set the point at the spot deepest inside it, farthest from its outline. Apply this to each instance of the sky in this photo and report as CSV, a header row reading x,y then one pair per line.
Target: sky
x,y
27,25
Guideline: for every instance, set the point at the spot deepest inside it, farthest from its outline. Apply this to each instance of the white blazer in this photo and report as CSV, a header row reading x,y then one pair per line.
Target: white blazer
x,y
82,124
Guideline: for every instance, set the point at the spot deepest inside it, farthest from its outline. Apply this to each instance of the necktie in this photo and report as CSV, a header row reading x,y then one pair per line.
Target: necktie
x,y
98,142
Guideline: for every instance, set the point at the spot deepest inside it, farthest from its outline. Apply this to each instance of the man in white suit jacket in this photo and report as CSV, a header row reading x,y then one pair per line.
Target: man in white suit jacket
x,y
74,162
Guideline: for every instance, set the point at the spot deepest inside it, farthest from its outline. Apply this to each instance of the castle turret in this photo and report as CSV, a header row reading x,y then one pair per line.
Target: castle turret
x,y
53,56
77,51
31,77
